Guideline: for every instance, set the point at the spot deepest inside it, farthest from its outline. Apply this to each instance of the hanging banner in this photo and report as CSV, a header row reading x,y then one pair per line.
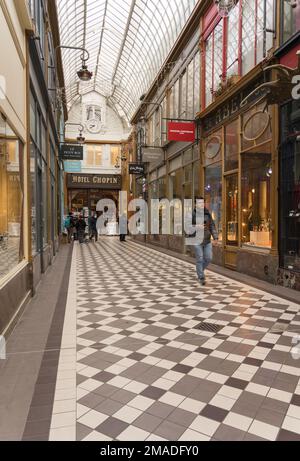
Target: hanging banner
x,y
181,131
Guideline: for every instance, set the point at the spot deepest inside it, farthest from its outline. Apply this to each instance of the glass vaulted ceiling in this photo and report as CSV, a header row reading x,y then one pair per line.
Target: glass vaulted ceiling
x,y
128,41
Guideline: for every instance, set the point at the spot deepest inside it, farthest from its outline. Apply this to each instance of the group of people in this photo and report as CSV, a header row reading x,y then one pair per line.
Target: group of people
x,y
76,228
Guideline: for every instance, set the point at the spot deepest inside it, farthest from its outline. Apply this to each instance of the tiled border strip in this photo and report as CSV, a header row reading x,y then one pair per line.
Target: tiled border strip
x,y
39,417
63,423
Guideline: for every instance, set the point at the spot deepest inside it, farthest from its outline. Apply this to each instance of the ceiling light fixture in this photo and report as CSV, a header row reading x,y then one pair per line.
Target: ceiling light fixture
x,y
83,74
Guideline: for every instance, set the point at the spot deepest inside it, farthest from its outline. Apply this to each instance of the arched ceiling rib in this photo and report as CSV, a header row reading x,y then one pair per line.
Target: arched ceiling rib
x,y
128,41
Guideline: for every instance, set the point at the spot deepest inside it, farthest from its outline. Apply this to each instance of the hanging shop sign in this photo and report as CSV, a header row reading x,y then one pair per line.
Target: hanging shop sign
x,y
71,152
94,181
137,168
72,166
152,154
181,131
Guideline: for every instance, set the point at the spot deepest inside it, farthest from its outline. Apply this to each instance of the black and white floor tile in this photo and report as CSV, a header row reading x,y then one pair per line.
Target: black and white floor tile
x,y
159,357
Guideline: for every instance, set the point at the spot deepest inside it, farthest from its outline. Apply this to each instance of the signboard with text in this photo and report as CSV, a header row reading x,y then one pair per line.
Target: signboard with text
x,y
181,131
72,166
152,154
71,152
94,181
137,168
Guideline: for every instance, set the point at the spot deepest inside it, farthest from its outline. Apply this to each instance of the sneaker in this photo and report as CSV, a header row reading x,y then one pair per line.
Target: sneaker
x,y
202,282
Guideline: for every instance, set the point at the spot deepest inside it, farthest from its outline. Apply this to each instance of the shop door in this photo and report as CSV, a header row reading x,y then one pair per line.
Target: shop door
x,y
232,221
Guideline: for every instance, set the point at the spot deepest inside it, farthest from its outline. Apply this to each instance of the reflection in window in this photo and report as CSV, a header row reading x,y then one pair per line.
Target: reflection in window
x,y
290,188
291,19
231,146
256,179
213,194
11,199
232,209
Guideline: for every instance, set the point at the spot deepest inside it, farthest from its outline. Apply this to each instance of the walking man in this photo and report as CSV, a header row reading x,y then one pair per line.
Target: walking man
x,y
203,250
80,226
93,227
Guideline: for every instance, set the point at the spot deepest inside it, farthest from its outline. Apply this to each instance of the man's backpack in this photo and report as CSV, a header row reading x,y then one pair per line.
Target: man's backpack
x,y
68,222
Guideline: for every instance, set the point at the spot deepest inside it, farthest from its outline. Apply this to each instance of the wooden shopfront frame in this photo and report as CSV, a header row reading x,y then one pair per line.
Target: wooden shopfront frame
x,y
230,252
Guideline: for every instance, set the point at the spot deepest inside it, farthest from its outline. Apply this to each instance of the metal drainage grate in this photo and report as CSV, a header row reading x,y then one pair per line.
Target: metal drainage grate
x,y
211,327
279,328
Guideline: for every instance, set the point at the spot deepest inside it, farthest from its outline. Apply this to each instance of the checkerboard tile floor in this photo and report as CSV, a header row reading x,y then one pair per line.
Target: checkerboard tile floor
x,y
150,366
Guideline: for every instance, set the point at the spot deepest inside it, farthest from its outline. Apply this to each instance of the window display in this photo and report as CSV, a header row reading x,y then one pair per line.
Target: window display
x,y
256,190
290,187
11,199
232,209
213,194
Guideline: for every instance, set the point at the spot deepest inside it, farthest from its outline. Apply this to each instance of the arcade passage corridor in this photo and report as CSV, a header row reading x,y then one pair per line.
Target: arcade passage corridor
x,y
146,353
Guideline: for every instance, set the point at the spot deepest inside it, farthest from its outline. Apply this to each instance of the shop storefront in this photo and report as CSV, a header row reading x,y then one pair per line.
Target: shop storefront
x,y
240,187
11,199
85,191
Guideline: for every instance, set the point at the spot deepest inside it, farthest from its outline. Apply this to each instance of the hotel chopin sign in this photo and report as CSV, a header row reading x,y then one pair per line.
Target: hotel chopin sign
x,y
94,181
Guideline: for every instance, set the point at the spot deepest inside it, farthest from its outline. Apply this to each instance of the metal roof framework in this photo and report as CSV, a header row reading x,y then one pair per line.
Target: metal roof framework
x,y
128,41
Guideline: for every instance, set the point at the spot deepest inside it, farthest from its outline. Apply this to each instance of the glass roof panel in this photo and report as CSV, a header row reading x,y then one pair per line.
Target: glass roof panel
x,y
128,41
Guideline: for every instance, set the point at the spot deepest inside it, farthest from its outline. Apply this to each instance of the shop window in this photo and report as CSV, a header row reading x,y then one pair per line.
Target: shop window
x,y
213,148
197,83
175,191
114,156
183,96
290,19
256,127
213,194
196,174
213,61
33,199
256,187
232,229
78,200
231,146
233,42
190,90
44,204
290,188
11,199
93,156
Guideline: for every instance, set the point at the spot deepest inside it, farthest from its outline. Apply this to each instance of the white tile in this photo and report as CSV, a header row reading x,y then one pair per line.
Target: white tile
x,y
190,436
81,410
291,424
194,406
63,420
230,392
263,430
96,437
217,378
92,419
127,414
133,434
66,394
294,411
222,402
166,364
199,373
141,403
119,381
115,369
136,387
173,376
238,421
89,372
280,395
204,425
64,406
172,399
257,389
89,384
63,434
165,384
81,393
65,384
151,360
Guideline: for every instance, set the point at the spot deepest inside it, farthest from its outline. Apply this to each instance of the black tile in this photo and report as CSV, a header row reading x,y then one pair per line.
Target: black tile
x,y
237,383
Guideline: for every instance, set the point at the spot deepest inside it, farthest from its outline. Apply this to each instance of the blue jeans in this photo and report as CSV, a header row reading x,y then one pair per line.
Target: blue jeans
x,y
203,255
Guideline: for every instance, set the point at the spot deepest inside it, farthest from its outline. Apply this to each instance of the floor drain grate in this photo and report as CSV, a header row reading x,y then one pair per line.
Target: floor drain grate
x,y
211,327
279,328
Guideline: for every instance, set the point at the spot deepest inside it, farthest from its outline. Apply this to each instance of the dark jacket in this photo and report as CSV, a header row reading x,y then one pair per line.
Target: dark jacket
x,y
209,227
81,225
93,224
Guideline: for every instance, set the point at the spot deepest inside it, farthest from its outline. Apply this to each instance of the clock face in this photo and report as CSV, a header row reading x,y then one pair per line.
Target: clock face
x,y
93,125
